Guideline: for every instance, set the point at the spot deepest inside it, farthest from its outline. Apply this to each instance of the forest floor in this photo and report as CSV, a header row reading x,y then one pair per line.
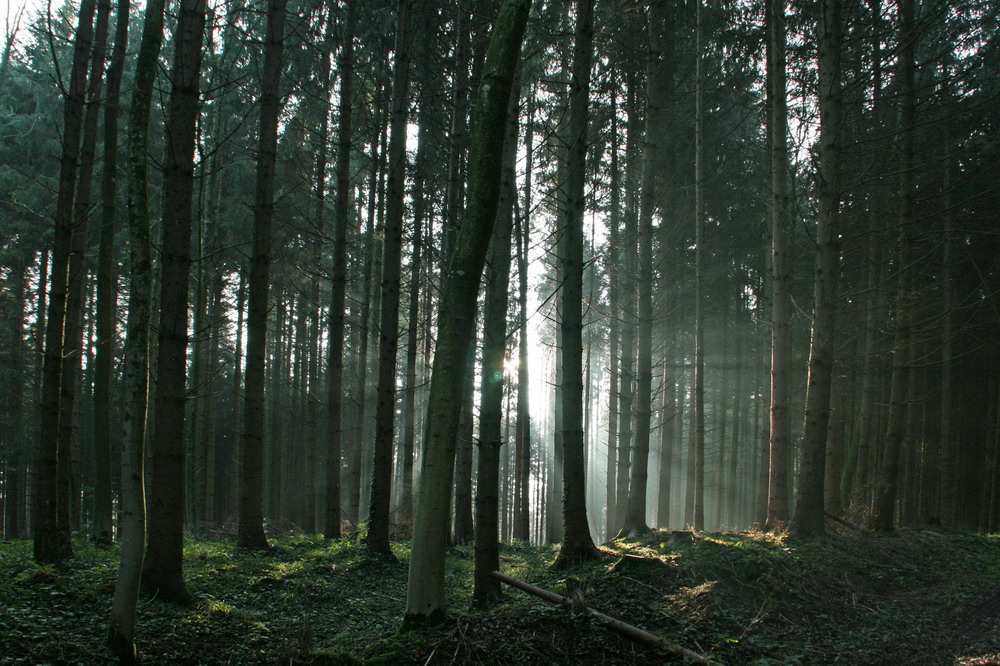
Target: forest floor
x,y
916,597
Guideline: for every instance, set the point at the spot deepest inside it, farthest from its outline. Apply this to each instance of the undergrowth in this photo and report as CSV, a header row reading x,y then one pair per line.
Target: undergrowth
x,y
740,598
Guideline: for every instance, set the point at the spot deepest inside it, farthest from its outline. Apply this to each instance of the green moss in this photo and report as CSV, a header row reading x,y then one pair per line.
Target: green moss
x,y
745,598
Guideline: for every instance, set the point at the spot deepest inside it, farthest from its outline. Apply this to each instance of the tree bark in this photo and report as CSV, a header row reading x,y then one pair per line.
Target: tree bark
x,y
195,452
250,532
666,461
12,430
412,324
635,515
338,282
162,574
577,544
216,323
948,498
355,455
883,510
52,542
780,433
736,497
458,139
102,525
522,455
76,337
810,517
385,408
614,271
425,587
464,530
627,298
834,453
233,480
866,409
486,590
121,633
698,416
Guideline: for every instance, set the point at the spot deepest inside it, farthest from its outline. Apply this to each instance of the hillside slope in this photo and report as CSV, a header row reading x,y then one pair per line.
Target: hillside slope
x,y
917,597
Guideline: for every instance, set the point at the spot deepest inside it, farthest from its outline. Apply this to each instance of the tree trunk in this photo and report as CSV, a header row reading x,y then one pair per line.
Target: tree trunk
x,y
614,271
522,459
721,409
689,471
195,453
76,337
102,526
834,454
338,282
356,453
412,323
626,383
313,341
947,451
635,515
866,408
666,461
761,476
233,480
162,574
121,634
251,516
209,424
52,543
736,498
486,590
464,528
275,463
385,408
455,195
554,489
699,276
883,510
780,432
425,588
577,544
627,297
455,192
809,518
11,431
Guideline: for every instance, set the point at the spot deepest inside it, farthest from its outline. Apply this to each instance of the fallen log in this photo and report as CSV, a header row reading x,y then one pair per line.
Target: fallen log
x,y
626,560
837,519
631,631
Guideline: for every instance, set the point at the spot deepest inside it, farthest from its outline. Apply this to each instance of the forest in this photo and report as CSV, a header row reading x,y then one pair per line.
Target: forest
x,y
685,309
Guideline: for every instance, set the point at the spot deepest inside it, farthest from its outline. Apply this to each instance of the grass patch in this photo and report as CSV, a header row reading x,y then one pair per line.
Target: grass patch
x,y
746,598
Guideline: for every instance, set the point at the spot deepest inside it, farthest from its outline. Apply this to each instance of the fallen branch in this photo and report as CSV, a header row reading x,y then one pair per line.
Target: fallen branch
x,y
627,559
843,522
633,632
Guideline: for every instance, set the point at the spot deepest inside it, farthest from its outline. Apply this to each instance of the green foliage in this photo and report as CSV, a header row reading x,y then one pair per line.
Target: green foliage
x,y
748,598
